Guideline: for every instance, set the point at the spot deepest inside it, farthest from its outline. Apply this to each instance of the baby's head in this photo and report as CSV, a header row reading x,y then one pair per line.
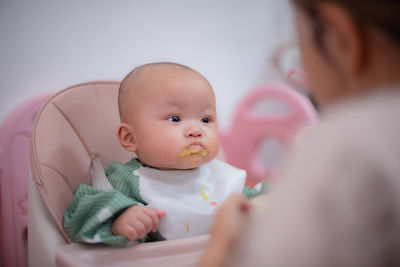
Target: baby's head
x,y
168,116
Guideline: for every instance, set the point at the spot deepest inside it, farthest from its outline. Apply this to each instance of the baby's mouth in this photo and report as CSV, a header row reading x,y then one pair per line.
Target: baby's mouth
x,y
194,150
195,146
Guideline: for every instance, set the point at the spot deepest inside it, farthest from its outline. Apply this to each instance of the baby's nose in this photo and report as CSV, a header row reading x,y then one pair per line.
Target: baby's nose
x,y
193,132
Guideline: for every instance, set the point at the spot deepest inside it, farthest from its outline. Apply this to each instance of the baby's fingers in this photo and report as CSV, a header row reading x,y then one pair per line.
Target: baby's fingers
x,y
130,232
154,214
140,229
161,214
147,221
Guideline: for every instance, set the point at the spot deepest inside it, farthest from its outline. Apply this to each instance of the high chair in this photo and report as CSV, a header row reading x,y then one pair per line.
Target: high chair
x,y
14,173
79,124
76,125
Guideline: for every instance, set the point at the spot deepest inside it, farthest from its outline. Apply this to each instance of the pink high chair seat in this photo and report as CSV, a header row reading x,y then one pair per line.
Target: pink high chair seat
x,y
271,111
74,126
14,177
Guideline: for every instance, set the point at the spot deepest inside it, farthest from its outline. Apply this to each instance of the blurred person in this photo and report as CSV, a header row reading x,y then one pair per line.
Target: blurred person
x,y
337,201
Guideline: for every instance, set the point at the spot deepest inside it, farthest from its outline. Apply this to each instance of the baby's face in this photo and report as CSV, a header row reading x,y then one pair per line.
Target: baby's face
x,y
174,120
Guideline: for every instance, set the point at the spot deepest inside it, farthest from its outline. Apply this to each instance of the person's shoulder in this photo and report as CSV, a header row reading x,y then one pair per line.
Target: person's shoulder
x,y
361,124
355,140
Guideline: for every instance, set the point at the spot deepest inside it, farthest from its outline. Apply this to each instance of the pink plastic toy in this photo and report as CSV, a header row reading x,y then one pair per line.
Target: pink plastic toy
x,y
251,127
14,174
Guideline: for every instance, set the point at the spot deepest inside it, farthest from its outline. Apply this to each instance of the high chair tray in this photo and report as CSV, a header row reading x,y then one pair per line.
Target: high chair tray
x,y
174,253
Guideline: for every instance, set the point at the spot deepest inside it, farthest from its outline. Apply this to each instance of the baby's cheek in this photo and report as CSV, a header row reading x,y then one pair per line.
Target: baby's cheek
x,y
212,147
161,155
169,147
214,150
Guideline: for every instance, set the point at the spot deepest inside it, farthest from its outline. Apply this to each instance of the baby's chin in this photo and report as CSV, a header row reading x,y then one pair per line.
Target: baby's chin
x,y
181,164
193,161
188,166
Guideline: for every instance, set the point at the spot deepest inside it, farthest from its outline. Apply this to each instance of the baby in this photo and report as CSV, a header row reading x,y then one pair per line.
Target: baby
x,y
175,185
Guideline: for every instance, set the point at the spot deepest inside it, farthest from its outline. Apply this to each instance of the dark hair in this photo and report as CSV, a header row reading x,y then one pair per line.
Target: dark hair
x,y
381,14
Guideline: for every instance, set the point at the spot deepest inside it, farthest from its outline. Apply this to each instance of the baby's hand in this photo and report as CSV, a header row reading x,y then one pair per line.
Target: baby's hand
x,y
136,222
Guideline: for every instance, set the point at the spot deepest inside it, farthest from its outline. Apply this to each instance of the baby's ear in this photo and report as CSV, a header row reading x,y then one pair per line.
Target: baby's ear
x,y
126,137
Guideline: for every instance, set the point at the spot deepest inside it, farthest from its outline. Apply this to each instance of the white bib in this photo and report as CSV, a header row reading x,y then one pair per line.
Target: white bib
x,y
189,197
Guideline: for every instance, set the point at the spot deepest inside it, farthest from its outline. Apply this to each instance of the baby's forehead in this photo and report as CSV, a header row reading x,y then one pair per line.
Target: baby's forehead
x,y
148,77
165,78
151,82
164,72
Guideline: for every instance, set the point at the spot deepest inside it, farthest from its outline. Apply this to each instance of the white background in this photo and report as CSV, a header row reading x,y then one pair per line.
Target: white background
x,y
49,45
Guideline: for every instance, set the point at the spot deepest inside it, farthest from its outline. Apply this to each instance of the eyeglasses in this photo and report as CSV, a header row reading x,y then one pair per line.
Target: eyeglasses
x,y
286,60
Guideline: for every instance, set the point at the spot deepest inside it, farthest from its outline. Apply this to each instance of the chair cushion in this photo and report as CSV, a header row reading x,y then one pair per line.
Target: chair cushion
x,y
75,125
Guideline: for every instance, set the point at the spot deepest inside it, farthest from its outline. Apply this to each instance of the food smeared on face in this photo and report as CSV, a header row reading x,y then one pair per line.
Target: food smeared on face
x,y
196,151
195,154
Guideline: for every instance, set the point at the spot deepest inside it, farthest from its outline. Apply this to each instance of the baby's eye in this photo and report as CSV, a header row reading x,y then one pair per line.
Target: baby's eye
x,y
205,120
174,118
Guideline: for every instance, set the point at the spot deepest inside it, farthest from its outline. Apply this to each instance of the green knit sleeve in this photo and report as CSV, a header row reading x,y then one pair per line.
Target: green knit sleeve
x,y
90,216
121,177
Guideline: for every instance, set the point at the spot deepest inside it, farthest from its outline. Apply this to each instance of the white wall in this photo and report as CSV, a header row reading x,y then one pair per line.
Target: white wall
x,y
48,45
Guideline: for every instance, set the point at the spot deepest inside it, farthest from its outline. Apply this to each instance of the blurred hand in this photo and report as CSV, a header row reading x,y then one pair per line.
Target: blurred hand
x,y
230,218
136,222
229,221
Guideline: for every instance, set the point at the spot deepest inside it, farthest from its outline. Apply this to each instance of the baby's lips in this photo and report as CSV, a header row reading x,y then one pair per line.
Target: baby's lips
x,y
196,147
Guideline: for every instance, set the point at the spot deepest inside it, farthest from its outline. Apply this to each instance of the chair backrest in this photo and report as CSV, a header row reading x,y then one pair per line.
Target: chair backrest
x,y
264,124
75,125
14,173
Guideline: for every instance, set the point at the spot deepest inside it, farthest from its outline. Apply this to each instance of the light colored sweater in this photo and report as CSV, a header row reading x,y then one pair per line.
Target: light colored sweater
x,y
337,202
